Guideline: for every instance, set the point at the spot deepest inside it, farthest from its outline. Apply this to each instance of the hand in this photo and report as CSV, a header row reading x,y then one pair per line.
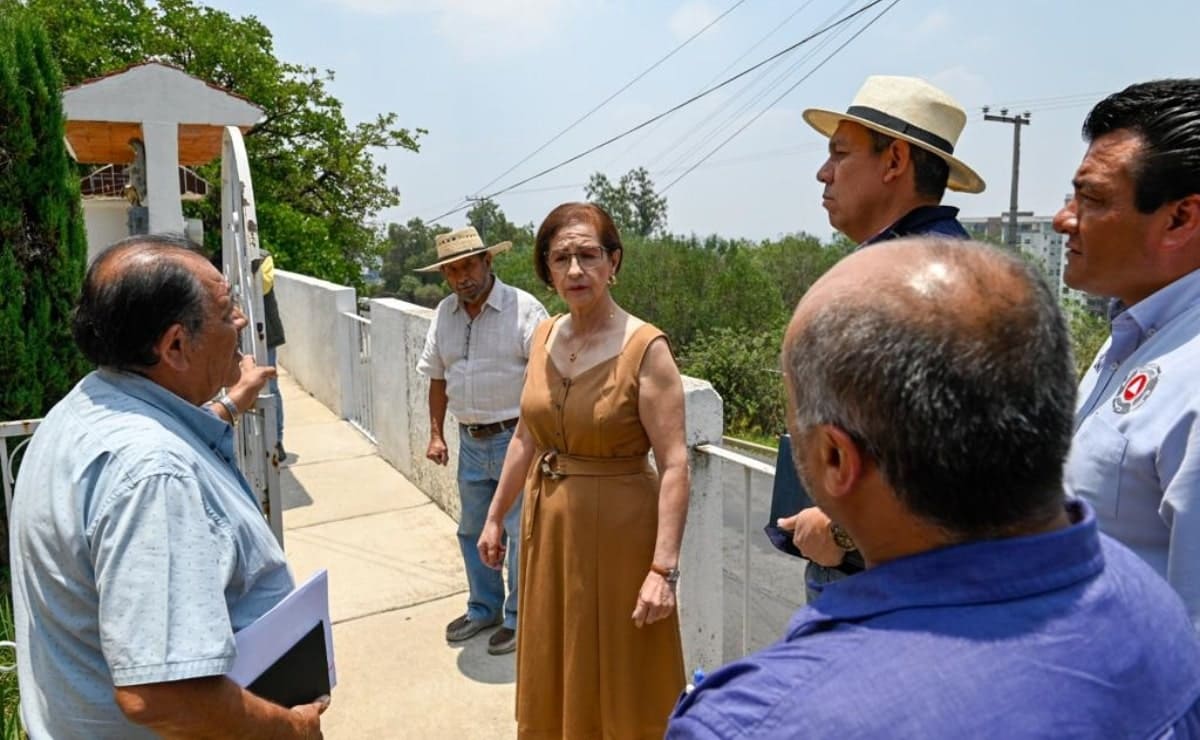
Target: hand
x,y
811,535
245,392
306,718
491,549
436,451
655,601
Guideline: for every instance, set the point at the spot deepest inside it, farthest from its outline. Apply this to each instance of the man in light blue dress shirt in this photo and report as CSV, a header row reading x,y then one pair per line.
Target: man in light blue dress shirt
x,y
1133,234
138,549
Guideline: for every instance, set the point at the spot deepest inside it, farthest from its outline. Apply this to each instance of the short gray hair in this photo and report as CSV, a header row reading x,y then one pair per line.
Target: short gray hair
x,y
969,419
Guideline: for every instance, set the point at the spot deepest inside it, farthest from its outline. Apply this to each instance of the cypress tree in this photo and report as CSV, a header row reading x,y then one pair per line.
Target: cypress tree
x,y
16,147
43,247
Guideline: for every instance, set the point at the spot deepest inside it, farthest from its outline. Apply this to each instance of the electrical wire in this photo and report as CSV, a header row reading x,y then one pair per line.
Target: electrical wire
x,y
673,109
785,94
609,99
732,119
761,40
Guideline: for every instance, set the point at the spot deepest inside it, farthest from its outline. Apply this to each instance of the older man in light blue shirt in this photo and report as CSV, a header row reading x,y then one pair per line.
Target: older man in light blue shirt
x,y
138,549
1133,229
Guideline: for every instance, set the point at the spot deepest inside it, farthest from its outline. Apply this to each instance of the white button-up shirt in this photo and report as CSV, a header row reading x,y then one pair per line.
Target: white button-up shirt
x,y
483,359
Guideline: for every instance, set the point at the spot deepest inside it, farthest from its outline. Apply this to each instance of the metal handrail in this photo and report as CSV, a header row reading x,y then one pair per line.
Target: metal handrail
x,y
361,413
749,467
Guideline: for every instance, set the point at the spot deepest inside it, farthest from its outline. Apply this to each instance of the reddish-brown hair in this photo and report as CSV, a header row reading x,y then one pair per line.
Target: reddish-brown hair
x,y
569,213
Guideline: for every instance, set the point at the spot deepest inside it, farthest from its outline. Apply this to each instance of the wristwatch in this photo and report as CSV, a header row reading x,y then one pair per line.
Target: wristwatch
x,y
841,538
670,574
230,407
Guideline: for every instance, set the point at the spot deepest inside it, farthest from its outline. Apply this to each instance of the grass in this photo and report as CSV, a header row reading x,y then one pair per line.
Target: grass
x,y
767,440
10,725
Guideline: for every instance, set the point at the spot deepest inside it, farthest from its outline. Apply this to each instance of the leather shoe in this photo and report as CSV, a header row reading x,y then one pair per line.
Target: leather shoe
x,y
503,640
465,628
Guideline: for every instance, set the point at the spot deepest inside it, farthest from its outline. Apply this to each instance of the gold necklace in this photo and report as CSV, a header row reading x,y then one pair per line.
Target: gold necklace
x,y
586,341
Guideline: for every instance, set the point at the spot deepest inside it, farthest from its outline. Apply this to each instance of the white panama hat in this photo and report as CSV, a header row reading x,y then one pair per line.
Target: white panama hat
x,y
911,109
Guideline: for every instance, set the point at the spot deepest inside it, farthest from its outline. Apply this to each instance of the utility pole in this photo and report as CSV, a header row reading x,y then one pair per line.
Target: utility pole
x,y
1017,121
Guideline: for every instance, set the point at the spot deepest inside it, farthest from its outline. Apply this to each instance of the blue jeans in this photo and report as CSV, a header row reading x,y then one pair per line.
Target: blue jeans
x,y
273,385
479,465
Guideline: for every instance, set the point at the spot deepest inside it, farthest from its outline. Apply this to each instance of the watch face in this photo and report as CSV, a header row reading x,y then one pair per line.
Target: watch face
x,y
840,537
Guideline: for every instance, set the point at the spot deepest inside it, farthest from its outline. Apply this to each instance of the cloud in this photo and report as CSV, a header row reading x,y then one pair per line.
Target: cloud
x,y
478,29
690,18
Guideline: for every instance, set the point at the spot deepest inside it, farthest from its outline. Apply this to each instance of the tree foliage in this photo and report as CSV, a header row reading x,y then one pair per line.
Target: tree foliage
x,y
494,227
1088,332
723,302
633,203
409,247
317,185
743,367
43,248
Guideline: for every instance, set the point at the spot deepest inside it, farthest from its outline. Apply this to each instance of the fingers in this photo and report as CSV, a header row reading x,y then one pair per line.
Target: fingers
x,y
639,612
322,703
787,522
491,553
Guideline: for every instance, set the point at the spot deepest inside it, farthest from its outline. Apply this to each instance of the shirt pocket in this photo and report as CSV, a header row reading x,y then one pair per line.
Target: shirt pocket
x,y
1093,472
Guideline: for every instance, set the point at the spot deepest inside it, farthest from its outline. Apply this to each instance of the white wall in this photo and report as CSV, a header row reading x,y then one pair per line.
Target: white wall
x,y
401,400
317,352
106,220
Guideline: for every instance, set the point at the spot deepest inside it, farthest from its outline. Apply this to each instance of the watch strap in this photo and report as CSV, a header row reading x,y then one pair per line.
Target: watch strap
x,y
230,407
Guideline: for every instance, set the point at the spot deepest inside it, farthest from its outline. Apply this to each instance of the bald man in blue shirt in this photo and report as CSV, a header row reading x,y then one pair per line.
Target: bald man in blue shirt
x,y
931,391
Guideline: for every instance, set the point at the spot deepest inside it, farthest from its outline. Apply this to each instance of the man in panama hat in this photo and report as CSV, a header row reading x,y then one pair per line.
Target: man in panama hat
x,y
891,159
474,356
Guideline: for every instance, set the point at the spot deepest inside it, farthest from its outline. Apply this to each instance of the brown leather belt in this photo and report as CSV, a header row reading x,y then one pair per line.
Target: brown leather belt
x,y
479,431
552,466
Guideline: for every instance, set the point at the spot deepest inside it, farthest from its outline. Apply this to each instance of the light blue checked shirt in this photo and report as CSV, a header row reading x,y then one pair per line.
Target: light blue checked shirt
x,y
1136,452
138,550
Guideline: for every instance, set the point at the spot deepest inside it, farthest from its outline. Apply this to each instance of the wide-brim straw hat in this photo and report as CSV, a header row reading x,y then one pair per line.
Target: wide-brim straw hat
x,y
911,109
460,244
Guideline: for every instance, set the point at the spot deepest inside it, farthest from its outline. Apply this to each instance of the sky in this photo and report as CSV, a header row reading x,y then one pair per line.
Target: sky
x,y
494,80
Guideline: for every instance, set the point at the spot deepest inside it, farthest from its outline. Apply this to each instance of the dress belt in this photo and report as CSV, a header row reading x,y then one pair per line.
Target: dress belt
x,y
554,466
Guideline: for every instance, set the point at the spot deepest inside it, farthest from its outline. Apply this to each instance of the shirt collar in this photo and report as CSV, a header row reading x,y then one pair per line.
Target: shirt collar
x,y
972,573
496,297
208,427
1159,308
922,220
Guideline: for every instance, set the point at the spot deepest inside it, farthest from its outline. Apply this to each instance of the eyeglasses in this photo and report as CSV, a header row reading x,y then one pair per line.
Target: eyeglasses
x,y
589,258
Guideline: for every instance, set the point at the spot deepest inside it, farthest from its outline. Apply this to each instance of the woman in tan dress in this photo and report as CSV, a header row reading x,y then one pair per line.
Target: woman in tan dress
x,y
598,650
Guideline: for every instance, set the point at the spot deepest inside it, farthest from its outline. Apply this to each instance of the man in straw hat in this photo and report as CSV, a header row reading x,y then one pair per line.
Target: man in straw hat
x,y
475,356
891,158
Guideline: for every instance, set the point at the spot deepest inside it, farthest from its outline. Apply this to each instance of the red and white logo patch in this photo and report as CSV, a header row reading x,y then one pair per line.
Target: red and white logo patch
x,y
1136,389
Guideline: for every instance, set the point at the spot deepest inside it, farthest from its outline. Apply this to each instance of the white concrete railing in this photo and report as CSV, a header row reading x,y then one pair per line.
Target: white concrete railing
x,y
320,354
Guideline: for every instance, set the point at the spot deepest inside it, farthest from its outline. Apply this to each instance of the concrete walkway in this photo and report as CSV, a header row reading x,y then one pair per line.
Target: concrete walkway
x,y
396,579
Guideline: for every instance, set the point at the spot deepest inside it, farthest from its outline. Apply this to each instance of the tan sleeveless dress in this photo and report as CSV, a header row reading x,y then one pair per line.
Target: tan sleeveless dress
x,y
590,522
